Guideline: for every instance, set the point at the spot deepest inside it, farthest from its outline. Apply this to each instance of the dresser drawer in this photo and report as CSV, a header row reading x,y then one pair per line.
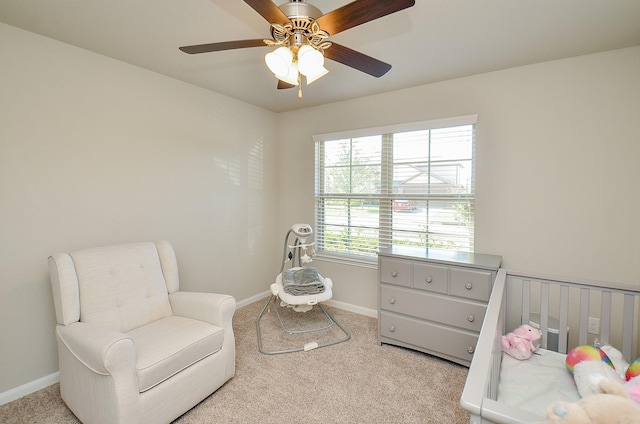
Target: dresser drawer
x,y
428,336
447,310
431,277
395,272
470,284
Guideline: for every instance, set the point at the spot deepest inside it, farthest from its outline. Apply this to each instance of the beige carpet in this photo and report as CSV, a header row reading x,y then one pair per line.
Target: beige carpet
x,y
352,382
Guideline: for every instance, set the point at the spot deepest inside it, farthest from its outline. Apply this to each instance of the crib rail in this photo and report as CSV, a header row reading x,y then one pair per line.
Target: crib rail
x,y
571,304
483,377
561,308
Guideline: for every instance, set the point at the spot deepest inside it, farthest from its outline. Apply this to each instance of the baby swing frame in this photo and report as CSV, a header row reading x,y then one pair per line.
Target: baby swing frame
x,y
299,303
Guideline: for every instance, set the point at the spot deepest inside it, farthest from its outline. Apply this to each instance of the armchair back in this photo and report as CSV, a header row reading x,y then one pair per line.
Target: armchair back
x,y
121,287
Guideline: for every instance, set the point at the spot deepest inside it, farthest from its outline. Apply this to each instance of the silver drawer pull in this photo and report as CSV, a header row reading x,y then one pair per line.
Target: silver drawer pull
x,y
392,300
470,349
428,279
468,286
394,273
392,328
471,318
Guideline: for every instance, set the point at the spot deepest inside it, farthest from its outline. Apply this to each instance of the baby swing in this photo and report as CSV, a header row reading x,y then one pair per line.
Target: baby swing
x,y
300,288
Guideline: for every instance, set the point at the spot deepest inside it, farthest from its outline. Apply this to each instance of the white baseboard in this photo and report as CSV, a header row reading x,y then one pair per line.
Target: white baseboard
x,y
41,383
28,388
373,313
252,299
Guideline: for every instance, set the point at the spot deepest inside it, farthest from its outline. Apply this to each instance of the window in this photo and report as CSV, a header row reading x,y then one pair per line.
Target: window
x,y
403,185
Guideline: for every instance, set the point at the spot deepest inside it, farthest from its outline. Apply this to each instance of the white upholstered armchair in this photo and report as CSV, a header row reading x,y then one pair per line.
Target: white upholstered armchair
x,y
133,348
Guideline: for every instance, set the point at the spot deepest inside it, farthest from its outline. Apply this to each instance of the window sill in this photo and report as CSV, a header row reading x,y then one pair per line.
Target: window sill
x,y
343,260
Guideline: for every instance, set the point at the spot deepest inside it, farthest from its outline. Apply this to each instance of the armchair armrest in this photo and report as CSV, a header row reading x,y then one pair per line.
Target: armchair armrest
x,y
100,349
217,309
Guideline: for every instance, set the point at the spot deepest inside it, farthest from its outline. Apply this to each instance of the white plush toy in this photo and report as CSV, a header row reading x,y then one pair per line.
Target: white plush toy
x,y
609,405
589,374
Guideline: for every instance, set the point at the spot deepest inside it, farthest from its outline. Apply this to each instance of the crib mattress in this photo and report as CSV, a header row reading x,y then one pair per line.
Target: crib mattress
x,y
534,383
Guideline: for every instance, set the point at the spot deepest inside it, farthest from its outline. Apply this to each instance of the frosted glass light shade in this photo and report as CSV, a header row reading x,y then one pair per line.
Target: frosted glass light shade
x,y
279,60
291,76
310,61
314,77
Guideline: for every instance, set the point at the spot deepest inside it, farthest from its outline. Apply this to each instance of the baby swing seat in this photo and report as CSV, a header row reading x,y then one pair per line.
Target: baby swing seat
x,y
299,295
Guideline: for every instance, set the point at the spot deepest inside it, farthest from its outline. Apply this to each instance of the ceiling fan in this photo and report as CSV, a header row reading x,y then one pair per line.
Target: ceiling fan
x,y
300,32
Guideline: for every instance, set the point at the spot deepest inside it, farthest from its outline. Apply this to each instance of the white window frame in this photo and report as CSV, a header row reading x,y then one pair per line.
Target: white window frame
x,y
383,225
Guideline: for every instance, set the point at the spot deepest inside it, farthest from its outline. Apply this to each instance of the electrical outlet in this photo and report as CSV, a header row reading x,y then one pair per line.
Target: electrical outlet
x,y
594,325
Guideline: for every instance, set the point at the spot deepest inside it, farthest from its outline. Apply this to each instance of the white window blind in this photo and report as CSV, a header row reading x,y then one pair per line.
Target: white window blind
x,y
408,184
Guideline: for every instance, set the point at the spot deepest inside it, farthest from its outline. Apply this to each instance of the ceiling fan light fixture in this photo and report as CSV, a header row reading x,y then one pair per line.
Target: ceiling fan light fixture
x,y
279,60
310,60
299,32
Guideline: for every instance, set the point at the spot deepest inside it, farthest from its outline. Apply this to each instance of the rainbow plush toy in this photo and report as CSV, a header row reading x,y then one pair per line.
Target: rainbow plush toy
x,y
633,380
633,370
591,365
585,353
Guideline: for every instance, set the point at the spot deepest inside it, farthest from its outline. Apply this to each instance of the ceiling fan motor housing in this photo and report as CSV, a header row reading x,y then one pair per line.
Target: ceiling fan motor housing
x,y
301,29
300,9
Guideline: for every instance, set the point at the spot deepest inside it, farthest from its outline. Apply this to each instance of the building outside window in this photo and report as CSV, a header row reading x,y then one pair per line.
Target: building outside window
x,y
410,184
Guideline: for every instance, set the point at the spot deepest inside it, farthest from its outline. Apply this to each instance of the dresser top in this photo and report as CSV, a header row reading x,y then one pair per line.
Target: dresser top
x,y
478,260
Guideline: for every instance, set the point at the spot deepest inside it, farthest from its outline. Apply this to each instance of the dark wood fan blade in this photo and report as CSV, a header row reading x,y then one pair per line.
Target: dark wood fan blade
x,y
268,10
284,85
357,60
360,12
225,45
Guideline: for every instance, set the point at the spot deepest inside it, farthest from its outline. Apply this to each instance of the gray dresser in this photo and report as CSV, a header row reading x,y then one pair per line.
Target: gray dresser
x,y
434,300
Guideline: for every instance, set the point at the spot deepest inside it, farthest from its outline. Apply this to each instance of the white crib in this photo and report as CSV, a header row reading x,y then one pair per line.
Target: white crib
x,y
568,304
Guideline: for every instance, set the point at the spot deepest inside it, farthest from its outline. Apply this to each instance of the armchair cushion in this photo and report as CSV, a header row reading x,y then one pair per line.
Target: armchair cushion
x,y
121,287
169,345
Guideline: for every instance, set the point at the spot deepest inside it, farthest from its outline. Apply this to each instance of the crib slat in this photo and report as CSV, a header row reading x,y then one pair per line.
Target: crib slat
x,y
605,317
544,313
526,300
627,326
564,319
584,316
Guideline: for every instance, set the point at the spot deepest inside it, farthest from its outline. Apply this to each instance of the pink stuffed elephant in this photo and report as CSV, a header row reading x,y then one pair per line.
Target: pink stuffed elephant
x,y
519,343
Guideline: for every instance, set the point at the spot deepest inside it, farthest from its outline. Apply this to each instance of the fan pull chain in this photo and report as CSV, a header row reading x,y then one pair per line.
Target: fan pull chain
x,y
299,86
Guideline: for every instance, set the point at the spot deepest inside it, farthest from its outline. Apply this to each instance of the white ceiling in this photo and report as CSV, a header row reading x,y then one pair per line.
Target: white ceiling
x,y
434,40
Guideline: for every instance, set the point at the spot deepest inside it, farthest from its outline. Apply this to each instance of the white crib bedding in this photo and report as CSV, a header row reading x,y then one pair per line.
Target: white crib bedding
x,y
534,383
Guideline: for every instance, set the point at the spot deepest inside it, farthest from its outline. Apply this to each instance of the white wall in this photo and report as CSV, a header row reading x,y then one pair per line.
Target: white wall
x,y
558,164
94,151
